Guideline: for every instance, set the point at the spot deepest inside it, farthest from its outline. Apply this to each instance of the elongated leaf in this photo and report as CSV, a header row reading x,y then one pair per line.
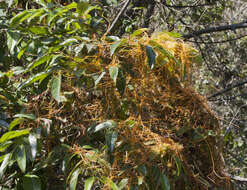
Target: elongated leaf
x,y
15,122
123,183
39,76
68,41
4,164
74,178
96,82
114,46
12,40
101,126
138,32
89,183
5,145
27,116
33,143
113,70
56,88
40,61
21,158
39,30
31,182
165,182
36,13
178,163
111,138
151,56
121,82
113,185
13,134
19,18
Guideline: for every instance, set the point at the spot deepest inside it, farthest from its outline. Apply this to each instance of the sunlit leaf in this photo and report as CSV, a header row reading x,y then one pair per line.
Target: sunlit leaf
x,y
33,143
73,179
37,77
101,126
89,183
13,134
113,70
56,88
4,164
114,46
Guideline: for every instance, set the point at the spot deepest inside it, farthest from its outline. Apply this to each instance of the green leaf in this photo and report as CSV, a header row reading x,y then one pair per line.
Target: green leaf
x,y
31,182
13,134
165,182
21,158
164,52
151,56
27,116
123,183
33,143
39,30
37,77
5,145
82,7
4,164
36,13
12,40
74,178
56,88
121,82
178,164
68,41
138,32
113,70
113,185
101,126
114,46
89,183
96,82
111,138
40,61
19,18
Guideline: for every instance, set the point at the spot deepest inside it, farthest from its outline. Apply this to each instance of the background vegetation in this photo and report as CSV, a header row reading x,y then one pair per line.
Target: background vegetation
x,y
43,43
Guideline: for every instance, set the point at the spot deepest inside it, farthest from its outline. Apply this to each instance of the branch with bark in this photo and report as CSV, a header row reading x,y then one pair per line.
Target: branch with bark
x,y
228,89
216,29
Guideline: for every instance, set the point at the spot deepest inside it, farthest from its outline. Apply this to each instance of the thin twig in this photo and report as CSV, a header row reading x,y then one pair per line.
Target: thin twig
x,y
228,89
117,17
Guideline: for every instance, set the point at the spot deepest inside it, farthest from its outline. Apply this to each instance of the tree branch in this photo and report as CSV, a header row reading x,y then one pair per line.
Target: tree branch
x,y
117,17
216,29
228,89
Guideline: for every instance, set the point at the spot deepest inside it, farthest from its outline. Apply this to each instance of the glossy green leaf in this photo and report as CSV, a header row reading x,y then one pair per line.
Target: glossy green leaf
x,y
68,41
89,183
33,143
31,182
96,82
73,179
165,182
13,134
40,61
101,126
21,157
114,46
4,164
151,56
37,77
56,88
26,116
36,13
19,18
113,70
